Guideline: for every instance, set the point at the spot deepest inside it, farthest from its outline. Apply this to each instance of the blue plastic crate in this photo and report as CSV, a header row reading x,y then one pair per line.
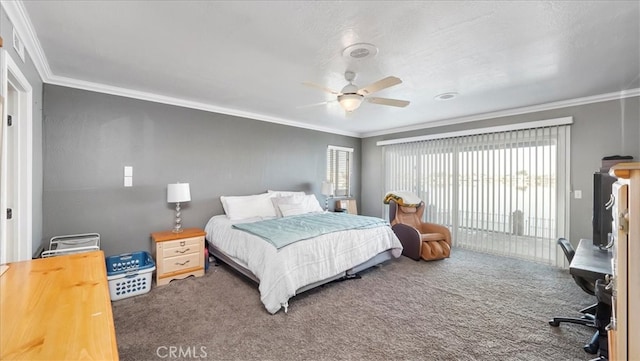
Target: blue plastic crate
x,y
128,263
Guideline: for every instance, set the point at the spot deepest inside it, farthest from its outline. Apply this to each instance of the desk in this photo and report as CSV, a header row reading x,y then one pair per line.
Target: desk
x,y
57,308
590,262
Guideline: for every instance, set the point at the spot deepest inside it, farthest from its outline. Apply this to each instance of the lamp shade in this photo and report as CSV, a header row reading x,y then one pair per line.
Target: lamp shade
x,y
327,188
350,102
178,192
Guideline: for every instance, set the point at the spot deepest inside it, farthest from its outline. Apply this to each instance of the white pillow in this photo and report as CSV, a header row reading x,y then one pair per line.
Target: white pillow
x,y
305,204
286,193
311,204
242,207
277,201
292,209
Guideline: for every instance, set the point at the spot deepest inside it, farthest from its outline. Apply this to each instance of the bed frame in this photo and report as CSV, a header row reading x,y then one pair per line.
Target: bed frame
x,y
375,260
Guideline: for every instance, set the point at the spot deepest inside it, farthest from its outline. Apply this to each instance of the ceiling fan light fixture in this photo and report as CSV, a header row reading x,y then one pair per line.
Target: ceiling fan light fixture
x,y
350,102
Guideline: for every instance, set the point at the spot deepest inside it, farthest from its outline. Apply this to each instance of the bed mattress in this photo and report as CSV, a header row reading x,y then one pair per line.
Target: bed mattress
x,y
282,272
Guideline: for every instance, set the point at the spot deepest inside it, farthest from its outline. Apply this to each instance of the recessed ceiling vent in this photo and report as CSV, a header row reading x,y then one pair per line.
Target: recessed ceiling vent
x,y
360,51
446,96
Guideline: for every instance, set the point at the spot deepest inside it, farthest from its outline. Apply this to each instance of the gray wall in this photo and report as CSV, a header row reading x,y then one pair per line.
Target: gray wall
x,y
599,129
89,138
29,71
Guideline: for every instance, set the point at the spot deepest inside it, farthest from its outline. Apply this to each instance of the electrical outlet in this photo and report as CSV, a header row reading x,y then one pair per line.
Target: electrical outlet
x,y
577,194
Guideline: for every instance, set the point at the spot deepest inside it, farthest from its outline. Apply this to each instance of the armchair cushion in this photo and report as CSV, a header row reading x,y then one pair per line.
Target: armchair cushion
x,y
421,240
428,237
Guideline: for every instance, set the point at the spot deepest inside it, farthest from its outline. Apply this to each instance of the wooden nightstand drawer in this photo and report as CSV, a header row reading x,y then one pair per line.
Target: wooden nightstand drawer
x,y
179,263
181,247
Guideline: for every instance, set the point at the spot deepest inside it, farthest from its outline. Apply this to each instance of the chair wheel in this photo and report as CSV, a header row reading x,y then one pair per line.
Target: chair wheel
x,y
554,323
591,348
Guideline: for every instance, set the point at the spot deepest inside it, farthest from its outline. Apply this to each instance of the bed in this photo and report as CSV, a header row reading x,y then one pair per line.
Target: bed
x,y
286,270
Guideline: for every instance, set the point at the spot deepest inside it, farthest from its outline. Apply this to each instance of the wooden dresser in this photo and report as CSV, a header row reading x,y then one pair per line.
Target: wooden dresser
x,y
57,308
624,333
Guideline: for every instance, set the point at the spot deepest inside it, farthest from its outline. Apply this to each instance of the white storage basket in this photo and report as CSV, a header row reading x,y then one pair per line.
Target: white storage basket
x,y
129,274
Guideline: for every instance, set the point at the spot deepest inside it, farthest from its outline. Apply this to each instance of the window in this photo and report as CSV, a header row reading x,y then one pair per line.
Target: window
x,y
339,169
502,192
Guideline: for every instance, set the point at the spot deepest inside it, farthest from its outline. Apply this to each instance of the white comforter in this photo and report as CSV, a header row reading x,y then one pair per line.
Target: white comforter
x,y
299,264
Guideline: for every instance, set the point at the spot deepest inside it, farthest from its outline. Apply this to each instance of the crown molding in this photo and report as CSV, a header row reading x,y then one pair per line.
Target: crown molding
x,y
511,112
152,97
18,16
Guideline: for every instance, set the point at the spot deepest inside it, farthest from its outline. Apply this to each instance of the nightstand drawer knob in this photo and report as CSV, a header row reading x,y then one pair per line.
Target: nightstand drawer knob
x,y
182,251
183,263
182,243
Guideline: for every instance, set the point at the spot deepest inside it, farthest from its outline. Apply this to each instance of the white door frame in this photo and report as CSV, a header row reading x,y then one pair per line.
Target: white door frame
x,y
21,245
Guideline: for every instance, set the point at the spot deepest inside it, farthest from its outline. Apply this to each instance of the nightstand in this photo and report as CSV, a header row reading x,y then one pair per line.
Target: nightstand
x,y
178,255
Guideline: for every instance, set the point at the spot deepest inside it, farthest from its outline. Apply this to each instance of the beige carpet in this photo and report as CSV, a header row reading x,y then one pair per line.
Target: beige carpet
x,y
472,306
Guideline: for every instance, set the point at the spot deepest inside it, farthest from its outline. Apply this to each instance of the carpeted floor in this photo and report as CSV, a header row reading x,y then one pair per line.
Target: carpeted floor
x,y
472,306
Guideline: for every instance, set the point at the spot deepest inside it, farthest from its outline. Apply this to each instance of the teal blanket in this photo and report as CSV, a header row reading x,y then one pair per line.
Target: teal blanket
x,y
286,230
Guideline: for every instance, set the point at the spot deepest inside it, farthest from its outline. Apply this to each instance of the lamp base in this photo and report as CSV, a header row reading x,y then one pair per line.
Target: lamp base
x,y
326,203
178,227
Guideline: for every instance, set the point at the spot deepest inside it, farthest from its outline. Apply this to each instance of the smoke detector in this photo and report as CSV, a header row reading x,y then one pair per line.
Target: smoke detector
x,y
360,51
446,96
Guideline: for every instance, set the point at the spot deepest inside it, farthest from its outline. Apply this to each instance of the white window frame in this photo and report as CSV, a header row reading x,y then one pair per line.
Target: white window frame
x,y
338,173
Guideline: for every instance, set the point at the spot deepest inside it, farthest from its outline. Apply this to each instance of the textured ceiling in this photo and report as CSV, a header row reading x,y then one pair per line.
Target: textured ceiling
x,y
250,58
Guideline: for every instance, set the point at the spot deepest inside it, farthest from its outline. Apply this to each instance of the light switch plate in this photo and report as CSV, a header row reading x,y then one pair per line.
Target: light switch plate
x,y
577,194
128,181
128,171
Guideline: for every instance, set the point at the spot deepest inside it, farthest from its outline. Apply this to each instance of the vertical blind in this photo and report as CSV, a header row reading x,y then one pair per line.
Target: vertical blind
x,y
339,169
501,192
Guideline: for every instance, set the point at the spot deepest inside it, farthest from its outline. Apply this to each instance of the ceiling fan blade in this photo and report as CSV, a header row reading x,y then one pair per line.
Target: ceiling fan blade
x,y
387,101
314,104
317,86
379,85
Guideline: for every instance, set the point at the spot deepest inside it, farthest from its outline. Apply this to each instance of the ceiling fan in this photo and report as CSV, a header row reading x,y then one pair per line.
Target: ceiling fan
x,y
350,97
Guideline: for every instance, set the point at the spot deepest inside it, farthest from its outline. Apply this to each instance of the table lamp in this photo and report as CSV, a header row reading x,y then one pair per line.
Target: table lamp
x,y
327,191
176,193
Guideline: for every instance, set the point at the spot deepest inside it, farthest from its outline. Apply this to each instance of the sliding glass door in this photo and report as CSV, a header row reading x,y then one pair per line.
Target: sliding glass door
x,y
500,192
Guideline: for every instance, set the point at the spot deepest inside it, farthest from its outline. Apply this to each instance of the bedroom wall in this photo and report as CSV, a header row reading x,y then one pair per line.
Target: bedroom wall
x,y
28,69
89,138
599,129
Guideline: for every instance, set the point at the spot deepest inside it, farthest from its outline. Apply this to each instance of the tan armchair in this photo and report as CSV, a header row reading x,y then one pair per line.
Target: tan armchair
x,y
420,240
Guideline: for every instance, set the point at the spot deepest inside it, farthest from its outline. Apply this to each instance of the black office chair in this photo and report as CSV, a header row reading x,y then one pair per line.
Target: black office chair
x,y
586,285
588,318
